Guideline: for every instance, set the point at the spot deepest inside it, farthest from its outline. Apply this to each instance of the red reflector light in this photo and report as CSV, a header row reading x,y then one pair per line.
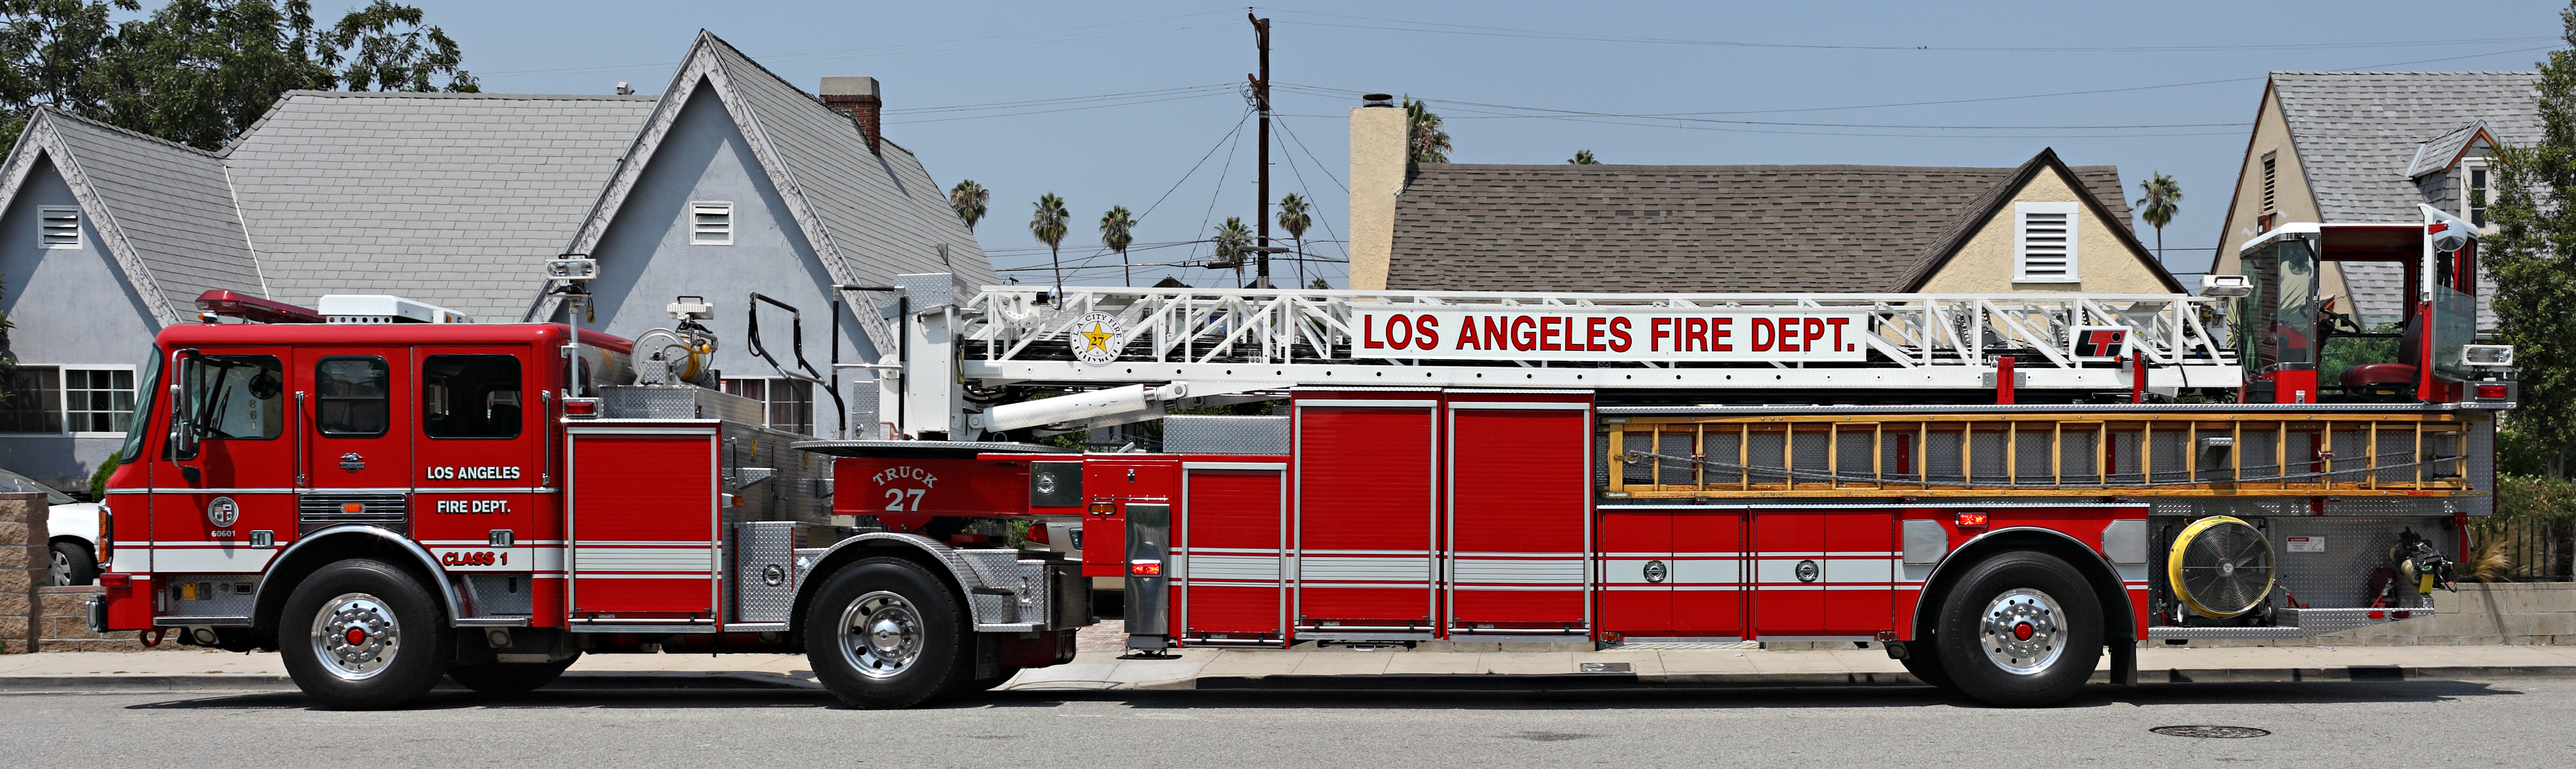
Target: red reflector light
x,y
580,406
2491,391
2436,228
1972,520
1144,568
1103,508
115,579
1037,533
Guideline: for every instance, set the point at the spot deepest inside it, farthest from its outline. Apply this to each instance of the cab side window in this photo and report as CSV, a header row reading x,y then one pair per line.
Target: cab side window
x,y
237,396
352,399
470,396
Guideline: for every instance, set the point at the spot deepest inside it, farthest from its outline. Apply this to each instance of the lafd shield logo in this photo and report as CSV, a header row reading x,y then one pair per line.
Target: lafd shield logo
x,y
1096,339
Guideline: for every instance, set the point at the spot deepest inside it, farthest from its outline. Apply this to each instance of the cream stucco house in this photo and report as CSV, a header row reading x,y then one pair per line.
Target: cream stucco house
x,y
2041,226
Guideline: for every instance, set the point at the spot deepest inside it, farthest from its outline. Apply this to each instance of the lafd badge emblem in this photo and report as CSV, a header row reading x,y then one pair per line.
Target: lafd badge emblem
x,y
1096,338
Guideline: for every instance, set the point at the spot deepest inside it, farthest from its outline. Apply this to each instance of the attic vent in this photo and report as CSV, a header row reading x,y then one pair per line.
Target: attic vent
x,y
2044,242
2271,168
61,227
711,222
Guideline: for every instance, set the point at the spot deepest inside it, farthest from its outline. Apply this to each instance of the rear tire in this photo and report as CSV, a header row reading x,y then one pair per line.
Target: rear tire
x,y
886,633
509,677
73,565
2020,630
362,635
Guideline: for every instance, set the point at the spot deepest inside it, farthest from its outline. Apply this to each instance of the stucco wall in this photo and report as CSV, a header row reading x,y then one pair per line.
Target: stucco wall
x,y
1377,176
646,259
2290,193
2103,264
71,307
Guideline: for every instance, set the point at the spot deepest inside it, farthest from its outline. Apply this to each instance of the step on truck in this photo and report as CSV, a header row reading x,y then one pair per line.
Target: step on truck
x,y
1998,490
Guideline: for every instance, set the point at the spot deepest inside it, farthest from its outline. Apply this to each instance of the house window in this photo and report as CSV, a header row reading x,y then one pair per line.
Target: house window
x,y
2474,194
60,228
2044,242
711,223
785,404
33,402
98,400
2271,179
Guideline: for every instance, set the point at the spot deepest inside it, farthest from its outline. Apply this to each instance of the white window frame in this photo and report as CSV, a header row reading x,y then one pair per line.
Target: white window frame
x,y
45,216
2468,165
63,396
698,233
769,400
2021,239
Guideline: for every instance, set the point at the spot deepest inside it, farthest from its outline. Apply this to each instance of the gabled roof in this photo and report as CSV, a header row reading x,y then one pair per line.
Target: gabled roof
x,y
2442,153
163,210
2357,133
869,215
452,199
1806,228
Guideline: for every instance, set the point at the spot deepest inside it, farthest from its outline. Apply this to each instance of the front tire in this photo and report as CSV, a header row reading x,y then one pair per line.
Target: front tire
x,y
2020,630
362,635
509,677
886,633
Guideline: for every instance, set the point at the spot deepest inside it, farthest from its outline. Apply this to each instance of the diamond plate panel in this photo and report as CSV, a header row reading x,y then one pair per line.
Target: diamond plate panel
x,y
764,573
498,595
1225,435
676,402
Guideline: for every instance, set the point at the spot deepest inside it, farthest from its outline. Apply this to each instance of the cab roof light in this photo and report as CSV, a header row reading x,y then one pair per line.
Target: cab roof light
x,y
219,303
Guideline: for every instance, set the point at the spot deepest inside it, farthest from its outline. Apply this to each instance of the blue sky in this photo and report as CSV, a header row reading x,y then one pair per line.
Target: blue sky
x,y
1011,94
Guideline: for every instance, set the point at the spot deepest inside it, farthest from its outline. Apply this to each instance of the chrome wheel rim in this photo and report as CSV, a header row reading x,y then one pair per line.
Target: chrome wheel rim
x,y
61,570
881,635
356,637
2020,632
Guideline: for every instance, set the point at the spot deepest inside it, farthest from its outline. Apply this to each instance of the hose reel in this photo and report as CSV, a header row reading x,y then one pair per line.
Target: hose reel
x,y
2220,567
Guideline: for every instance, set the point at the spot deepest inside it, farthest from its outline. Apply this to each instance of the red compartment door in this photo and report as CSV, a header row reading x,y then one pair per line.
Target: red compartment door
x,y
643,527
1671,573
1233,554
1636,557
1520,491
1365,510
1823,573
1708,573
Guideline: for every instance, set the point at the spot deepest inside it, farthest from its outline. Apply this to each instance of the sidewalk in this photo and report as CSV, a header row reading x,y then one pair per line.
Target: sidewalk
x,y
1342,668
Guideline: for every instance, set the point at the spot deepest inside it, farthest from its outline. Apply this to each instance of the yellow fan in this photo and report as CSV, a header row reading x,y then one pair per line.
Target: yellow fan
x,y
2220,567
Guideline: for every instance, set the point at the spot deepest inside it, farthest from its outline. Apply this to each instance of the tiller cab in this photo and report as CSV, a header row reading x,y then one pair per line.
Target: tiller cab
x,y
1996,489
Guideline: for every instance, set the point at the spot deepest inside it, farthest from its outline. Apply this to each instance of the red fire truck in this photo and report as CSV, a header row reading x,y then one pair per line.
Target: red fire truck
x,y
1997,490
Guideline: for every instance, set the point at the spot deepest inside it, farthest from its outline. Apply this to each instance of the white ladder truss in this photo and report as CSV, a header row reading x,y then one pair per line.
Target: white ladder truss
x,y
1237,340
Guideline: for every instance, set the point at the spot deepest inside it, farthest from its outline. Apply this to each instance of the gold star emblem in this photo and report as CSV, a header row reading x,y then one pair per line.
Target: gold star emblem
x,y
1098,337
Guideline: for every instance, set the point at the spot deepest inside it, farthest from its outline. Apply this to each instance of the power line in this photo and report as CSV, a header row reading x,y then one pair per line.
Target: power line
x,y
1132,103
1465,29
879,51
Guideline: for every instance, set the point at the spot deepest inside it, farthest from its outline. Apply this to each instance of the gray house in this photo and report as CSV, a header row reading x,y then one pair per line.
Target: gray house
x,y
2364,147
732,181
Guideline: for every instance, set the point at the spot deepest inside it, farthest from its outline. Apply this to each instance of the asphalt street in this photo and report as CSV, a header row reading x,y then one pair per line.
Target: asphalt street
x,y
2353,724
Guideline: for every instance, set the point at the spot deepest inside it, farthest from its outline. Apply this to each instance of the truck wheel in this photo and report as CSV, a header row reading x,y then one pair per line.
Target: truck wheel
x,y
2020,630
509,677
72,565
362,635
884,633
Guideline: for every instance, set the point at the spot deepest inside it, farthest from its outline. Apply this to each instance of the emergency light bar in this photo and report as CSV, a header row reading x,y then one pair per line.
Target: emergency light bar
x,y
234,304
382,308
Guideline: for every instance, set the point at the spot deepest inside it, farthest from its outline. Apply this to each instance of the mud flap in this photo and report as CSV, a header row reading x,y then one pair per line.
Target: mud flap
x,y
2124,663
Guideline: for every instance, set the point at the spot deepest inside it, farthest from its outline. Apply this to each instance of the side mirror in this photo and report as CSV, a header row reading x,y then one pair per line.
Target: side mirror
x,y
183,414
183,435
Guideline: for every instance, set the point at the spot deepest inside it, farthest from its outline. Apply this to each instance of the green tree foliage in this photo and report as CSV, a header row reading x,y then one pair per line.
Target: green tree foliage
x,y
1424,141
1048,225
2158,207
1583,158
968,199
1231,239
1117,231
1295,215
198,72
2532,258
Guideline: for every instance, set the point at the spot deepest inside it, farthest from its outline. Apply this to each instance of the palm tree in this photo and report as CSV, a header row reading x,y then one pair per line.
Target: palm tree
x,y
1048,225
1583,158
968,199
2158,207
1231,238
1295,216
1117,229
1424,141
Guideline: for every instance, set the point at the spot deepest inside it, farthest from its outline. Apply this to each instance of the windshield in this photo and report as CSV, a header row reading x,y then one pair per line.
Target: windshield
x,y
18,484
2455,307
146,393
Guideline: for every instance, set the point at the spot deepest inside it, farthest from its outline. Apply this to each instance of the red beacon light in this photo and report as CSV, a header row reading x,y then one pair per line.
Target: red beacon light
x,y
1144,568
244,308
1972,520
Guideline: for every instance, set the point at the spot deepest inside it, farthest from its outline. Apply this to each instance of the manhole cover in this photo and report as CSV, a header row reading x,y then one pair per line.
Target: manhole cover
x,y
2212,732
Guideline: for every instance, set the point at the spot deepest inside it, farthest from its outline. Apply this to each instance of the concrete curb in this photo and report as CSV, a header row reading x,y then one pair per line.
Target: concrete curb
x,y
746,681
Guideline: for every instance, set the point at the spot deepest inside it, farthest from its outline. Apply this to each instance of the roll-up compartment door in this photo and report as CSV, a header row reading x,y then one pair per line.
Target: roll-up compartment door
x,y
1519,492
1366,503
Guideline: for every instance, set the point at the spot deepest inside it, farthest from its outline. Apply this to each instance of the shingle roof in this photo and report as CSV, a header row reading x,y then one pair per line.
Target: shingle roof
x,y
2358,136
169,201
2356,132
452,199
2437,155
1806,228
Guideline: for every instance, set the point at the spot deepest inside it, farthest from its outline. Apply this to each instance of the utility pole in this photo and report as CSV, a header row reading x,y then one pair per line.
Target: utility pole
x,y
1261,101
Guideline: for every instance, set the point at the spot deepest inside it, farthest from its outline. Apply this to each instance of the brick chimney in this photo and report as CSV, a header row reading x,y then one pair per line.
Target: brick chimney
x,y
857,97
